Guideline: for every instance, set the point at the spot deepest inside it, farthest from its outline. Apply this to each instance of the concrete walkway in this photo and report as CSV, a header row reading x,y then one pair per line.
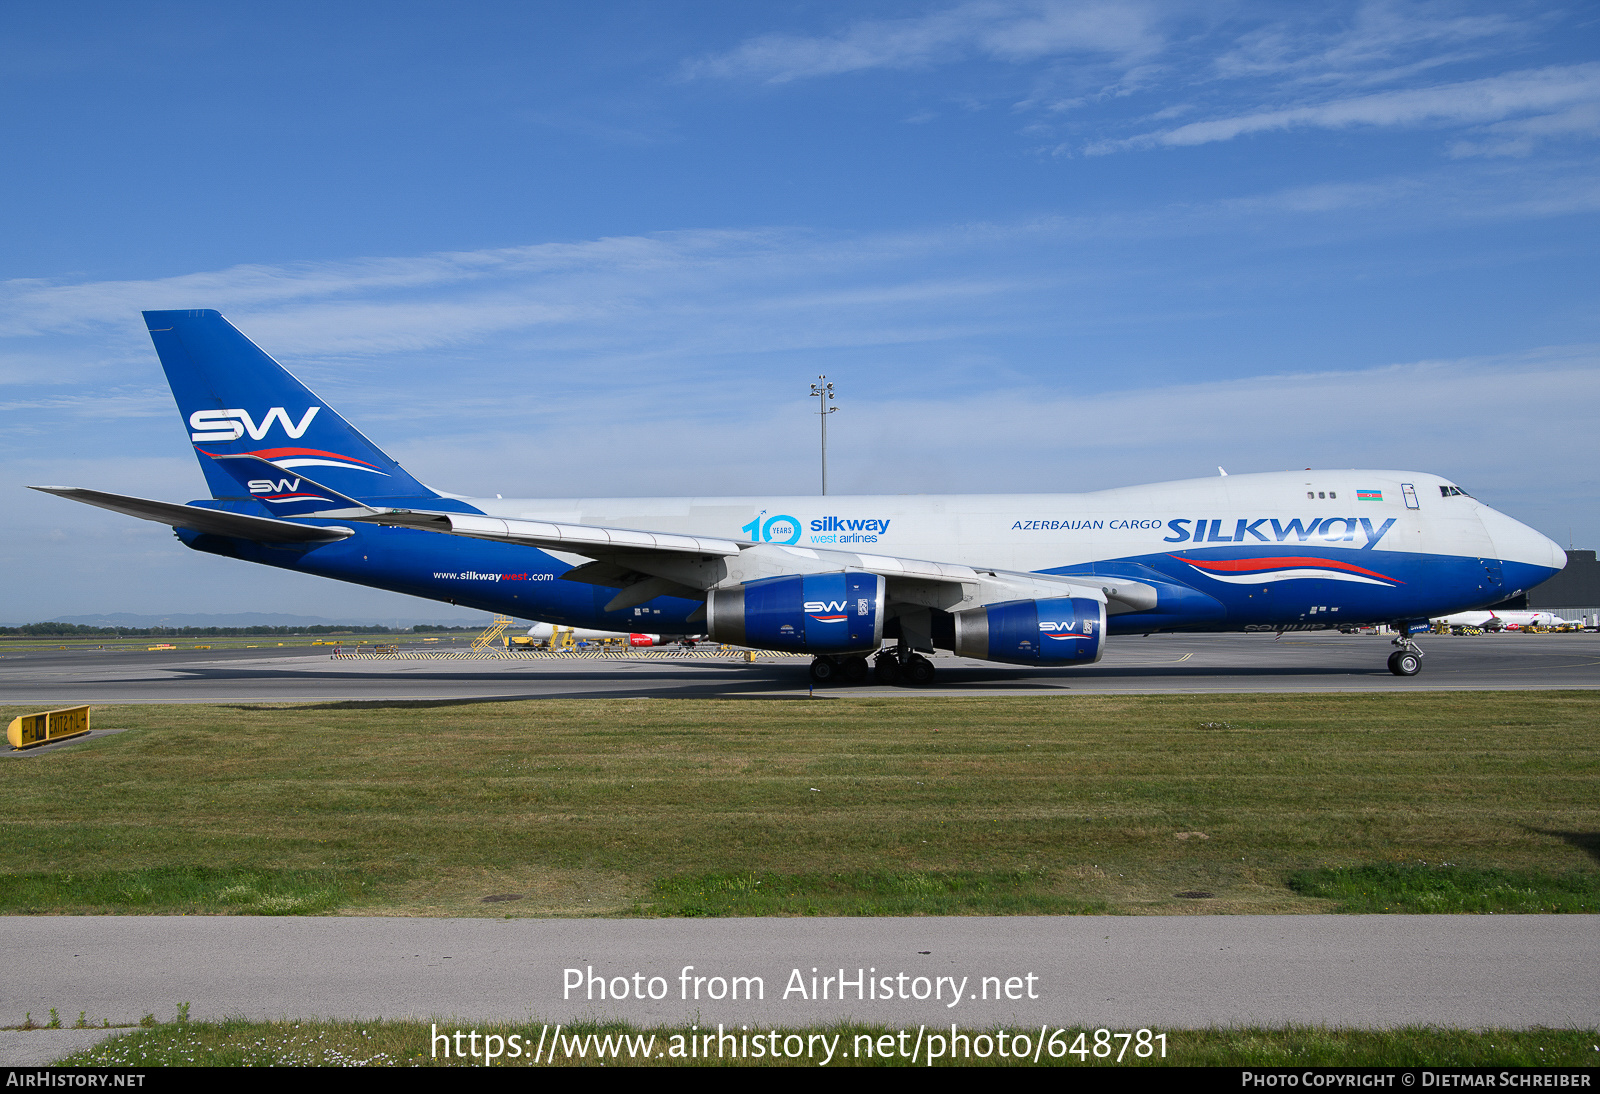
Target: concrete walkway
x,y
1122,972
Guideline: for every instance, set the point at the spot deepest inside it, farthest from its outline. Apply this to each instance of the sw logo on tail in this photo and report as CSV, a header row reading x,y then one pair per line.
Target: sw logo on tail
x,y
230,425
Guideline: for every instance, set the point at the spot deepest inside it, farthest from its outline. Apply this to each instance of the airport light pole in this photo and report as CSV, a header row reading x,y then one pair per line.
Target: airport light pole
x,y
824,392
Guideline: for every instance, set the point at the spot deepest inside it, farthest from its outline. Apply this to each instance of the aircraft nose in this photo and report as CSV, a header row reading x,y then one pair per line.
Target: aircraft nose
x,y
1516,542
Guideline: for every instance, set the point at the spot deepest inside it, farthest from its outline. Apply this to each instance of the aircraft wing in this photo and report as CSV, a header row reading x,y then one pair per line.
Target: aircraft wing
x,y
643,565
576,538
214,521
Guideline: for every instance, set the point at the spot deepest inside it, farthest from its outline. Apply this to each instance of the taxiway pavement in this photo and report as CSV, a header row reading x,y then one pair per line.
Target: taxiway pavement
x,y
1159,664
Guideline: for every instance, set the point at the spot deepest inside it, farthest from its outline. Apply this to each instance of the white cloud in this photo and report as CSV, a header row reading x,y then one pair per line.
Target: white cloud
x,y
1518,137
1374,43
711,300
1471,102
715,292
1005,31
1167,51
33,306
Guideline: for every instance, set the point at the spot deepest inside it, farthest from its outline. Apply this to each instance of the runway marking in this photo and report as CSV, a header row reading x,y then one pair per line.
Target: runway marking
x,y
1179,661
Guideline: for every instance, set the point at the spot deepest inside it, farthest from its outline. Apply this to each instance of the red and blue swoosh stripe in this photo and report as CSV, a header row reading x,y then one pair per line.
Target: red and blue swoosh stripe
x,y
289,458
1254,571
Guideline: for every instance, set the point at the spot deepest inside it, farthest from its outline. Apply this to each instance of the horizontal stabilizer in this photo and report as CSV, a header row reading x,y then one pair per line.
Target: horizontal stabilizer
x,y
285,493
216,522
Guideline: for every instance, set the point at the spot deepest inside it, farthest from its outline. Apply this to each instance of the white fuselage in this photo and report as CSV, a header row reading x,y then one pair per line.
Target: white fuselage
x,y
1031,532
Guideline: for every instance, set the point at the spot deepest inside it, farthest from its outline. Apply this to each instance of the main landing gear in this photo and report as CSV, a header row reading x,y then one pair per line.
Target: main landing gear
x,y
904,667
839,670
1407,659
895,666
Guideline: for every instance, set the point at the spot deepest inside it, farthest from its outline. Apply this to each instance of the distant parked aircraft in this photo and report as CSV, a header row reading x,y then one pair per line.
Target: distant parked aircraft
x,y
543,632
1502,620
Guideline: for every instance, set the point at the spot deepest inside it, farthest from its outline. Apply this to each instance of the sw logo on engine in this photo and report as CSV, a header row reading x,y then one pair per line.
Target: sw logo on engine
x,y
826,611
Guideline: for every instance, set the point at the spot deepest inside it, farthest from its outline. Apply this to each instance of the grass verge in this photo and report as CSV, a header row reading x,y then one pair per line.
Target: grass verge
x,y
864,893
1448,888
408,1044
184,890
850,805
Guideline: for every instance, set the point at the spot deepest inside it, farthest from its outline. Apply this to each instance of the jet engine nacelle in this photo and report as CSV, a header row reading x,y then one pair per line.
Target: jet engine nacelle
x,y
1068,630
801,613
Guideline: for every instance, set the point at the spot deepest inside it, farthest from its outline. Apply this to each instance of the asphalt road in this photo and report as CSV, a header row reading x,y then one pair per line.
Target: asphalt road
x,y
1172,664
1120,972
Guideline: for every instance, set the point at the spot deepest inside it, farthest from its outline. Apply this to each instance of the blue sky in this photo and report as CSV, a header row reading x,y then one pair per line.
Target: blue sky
x,y
602,249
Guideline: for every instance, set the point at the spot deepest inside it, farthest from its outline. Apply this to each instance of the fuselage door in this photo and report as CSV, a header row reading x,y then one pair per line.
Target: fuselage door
x,y
1410,494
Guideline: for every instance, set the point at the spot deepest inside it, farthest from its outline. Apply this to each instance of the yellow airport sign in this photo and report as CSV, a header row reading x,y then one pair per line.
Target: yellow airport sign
x,y
51,725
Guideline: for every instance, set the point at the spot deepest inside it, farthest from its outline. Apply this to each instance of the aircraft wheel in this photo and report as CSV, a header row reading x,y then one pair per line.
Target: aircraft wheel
x,y
856,670
919,672
823,671
1404,663
887,672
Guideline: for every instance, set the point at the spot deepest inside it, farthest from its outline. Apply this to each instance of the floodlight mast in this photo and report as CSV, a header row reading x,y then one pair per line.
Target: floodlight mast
x,y
824,392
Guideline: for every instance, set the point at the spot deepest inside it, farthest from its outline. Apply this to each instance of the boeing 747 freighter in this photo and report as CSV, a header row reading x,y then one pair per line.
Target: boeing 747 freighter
x,y
1026,579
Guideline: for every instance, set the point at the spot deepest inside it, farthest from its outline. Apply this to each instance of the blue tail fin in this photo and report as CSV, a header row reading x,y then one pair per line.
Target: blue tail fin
x,y
235,400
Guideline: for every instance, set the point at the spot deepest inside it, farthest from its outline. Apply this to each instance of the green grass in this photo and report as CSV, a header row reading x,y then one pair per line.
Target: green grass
x,y
389,1043
1447,888
643,806
863,893
187,890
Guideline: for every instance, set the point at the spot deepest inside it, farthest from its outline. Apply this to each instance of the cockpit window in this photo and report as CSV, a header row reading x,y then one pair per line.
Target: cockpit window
x,y
1452,492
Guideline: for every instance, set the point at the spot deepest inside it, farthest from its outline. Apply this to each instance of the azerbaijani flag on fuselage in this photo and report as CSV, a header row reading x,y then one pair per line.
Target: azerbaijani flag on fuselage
x,y
1369,495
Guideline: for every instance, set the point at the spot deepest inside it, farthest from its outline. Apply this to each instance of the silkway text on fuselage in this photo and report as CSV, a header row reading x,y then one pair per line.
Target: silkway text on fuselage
x,y
1239,530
